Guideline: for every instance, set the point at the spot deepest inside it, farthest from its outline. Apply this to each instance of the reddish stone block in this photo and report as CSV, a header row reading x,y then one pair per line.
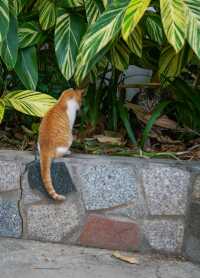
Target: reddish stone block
x,y
107,233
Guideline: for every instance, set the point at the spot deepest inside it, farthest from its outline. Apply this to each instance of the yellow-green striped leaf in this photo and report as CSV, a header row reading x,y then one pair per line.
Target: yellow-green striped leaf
x,y
96,41
30,102
134,41
9,47
68,33
47,13
154,28
26,67
2,109
120,55
105,3
93,10
174,21
29,34
172,63
18,5
133,14
193,25
4,19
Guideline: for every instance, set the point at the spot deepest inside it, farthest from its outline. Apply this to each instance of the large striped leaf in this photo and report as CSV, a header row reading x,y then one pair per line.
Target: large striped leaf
x,y
93,10
30,102
19,4
135,41
193,29
29,34
172,63
120,55
153,26
173,15
2,109
26,67
134,12
4,19
47,12
96,41
9,47
68,33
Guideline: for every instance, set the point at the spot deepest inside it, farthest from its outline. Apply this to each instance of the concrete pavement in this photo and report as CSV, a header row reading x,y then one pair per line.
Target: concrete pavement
x,y
29,259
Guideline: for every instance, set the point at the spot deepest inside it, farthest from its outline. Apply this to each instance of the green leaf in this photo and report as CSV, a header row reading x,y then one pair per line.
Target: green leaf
x,y
26,67
123,113
93,10
47,16
193,25
2,109
174,20
29,34
70,3
9,47
155,115
133,14
134,41
171,63
97,40
68,33
4,19
153,26
18,5
120,55
30,102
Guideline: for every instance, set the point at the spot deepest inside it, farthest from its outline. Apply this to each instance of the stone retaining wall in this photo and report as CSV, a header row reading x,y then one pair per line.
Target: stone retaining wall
x,y
116,203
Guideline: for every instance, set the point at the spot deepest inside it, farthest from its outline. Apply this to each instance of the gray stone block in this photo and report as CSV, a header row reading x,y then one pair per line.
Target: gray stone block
x,y
53,221
9,175
196,189
10,220
164,235
166,189
105,186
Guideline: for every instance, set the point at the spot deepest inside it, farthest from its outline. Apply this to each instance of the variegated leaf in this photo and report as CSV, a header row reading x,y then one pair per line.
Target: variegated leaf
x,y
30,102
4,19
29,34
134,41
120,55
26,67
173,13
153,26
93,10
133,14
2,109
9,47
172,63
68,33
18,5
193,25
47,13
96,41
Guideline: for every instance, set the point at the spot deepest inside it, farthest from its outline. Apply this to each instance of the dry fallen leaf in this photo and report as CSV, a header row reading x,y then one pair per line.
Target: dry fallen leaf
x,y
108,140
128,259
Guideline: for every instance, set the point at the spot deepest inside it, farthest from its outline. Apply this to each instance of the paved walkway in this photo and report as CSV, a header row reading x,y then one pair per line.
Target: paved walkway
x,y
29,259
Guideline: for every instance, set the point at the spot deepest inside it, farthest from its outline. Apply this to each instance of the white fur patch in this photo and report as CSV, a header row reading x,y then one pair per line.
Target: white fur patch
x,y
72,107
62,150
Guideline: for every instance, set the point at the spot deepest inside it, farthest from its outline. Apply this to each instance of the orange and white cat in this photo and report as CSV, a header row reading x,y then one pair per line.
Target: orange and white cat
x,y
55,135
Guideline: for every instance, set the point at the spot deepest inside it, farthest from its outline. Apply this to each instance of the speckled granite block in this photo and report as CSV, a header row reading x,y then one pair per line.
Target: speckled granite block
x,y
164,235
166,189
52,222
105,186
10,220
9,175
196,189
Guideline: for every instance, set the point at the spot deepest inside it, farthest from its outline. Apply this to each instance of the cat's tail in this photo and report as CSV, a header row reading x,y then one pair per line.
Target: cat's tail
x,y
45,168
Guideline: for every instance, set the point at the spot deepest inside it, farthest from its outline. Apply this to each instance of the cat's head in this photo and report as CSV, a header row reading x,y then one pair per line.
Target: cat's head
x,y
76,94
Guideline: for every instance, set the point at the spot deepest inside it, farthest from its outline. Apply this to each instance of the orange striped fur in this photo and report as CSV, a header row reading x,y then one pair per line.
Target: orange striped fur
x,y
55,135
